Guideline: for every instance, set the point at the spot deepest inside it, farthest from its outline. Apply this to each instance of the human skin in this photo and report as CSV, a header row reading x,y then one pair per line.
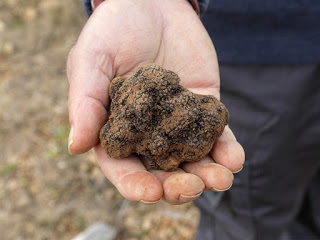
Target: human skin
x,y
119,37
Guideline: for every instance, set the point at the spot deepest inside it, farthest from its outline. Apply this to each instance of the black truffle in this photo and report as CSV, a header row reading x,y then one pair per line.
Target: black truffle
x,y
153,116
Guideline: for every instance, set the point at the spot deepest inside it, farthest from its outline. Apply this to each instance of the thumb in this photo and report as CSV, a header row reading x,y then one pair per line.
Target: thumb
x,y
89,73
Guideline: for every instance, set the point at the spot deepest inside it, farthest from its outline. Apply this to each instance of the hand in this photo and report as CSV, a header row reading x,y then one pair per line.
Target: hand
x,y
120,36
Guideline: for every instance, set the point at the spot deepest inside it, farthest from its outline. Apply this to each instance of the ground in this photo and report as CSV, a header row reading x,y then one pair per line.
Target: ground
x,y
45,193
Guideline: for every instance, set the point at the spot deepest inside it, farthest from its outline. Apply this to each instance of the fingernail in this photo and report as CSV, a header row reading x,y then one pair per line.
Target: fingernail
x,y
147,202
71,138
238,170
221,190
185,198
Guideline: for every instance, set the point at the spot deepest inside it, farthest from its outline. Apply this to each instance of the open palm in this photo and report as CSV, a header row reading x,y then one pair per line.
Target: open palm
x,y
121,36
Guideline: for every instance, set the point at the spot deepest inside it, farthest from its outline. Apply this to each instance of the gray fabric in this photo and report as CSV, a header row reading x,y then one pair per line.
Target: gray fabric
x,y
275,114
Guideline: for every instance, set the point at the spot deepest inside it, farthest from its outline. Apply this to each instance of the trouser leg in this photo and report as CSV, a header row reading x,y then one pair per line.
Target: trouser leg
x,y
307,224
267,105
313,201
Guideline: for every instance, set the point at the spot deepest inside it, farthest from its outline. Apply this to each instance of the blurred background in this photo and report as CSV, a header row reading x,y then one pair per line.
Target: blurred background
x,y
44,192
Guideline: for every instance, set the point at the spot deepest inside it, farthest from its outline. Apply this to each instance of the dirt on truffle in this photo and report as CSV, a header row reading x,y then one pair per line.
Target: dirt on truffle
x,y
155,117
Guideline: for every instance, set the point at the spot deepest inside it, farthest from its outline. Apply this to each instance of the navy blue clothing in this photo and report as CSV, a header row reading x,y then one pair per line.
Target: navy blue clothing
x,y
87,7
272,31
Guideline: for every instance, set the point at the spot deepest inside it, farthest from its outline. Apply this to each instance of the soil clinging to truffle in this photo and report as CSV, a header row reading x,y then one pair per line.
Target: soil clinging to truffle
x,y
155,117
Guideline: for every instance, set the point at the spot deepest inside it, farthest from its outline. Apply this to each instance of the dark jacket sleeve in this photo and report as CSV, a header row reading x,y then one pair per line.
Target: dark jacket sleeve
x,y
203,5
87,7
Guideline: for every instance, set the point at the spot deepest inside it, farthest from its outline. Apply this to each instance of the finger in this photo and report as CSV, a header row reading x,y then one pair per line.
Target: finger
x,y
179,187
214,176
89,70
130,177
228,152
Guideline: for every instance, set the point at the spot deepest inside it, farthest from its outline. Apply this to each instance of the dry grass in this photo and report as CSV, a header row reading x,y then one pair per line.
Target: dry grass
x,y
44,192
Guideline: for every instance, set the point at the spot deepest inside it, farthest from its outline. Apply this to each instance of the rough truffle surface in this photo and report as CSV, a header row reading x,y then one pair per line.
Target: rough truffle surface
x,y
153,116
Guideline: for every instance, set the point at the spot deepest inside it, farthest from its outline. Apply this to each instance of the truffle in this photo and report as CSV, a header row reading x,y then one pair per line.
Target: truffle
x,y
155,117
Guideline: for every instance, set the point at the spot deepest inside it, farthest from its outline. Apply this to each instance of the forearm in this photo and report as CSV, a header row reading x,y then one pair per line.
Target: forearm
x,y
198,5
